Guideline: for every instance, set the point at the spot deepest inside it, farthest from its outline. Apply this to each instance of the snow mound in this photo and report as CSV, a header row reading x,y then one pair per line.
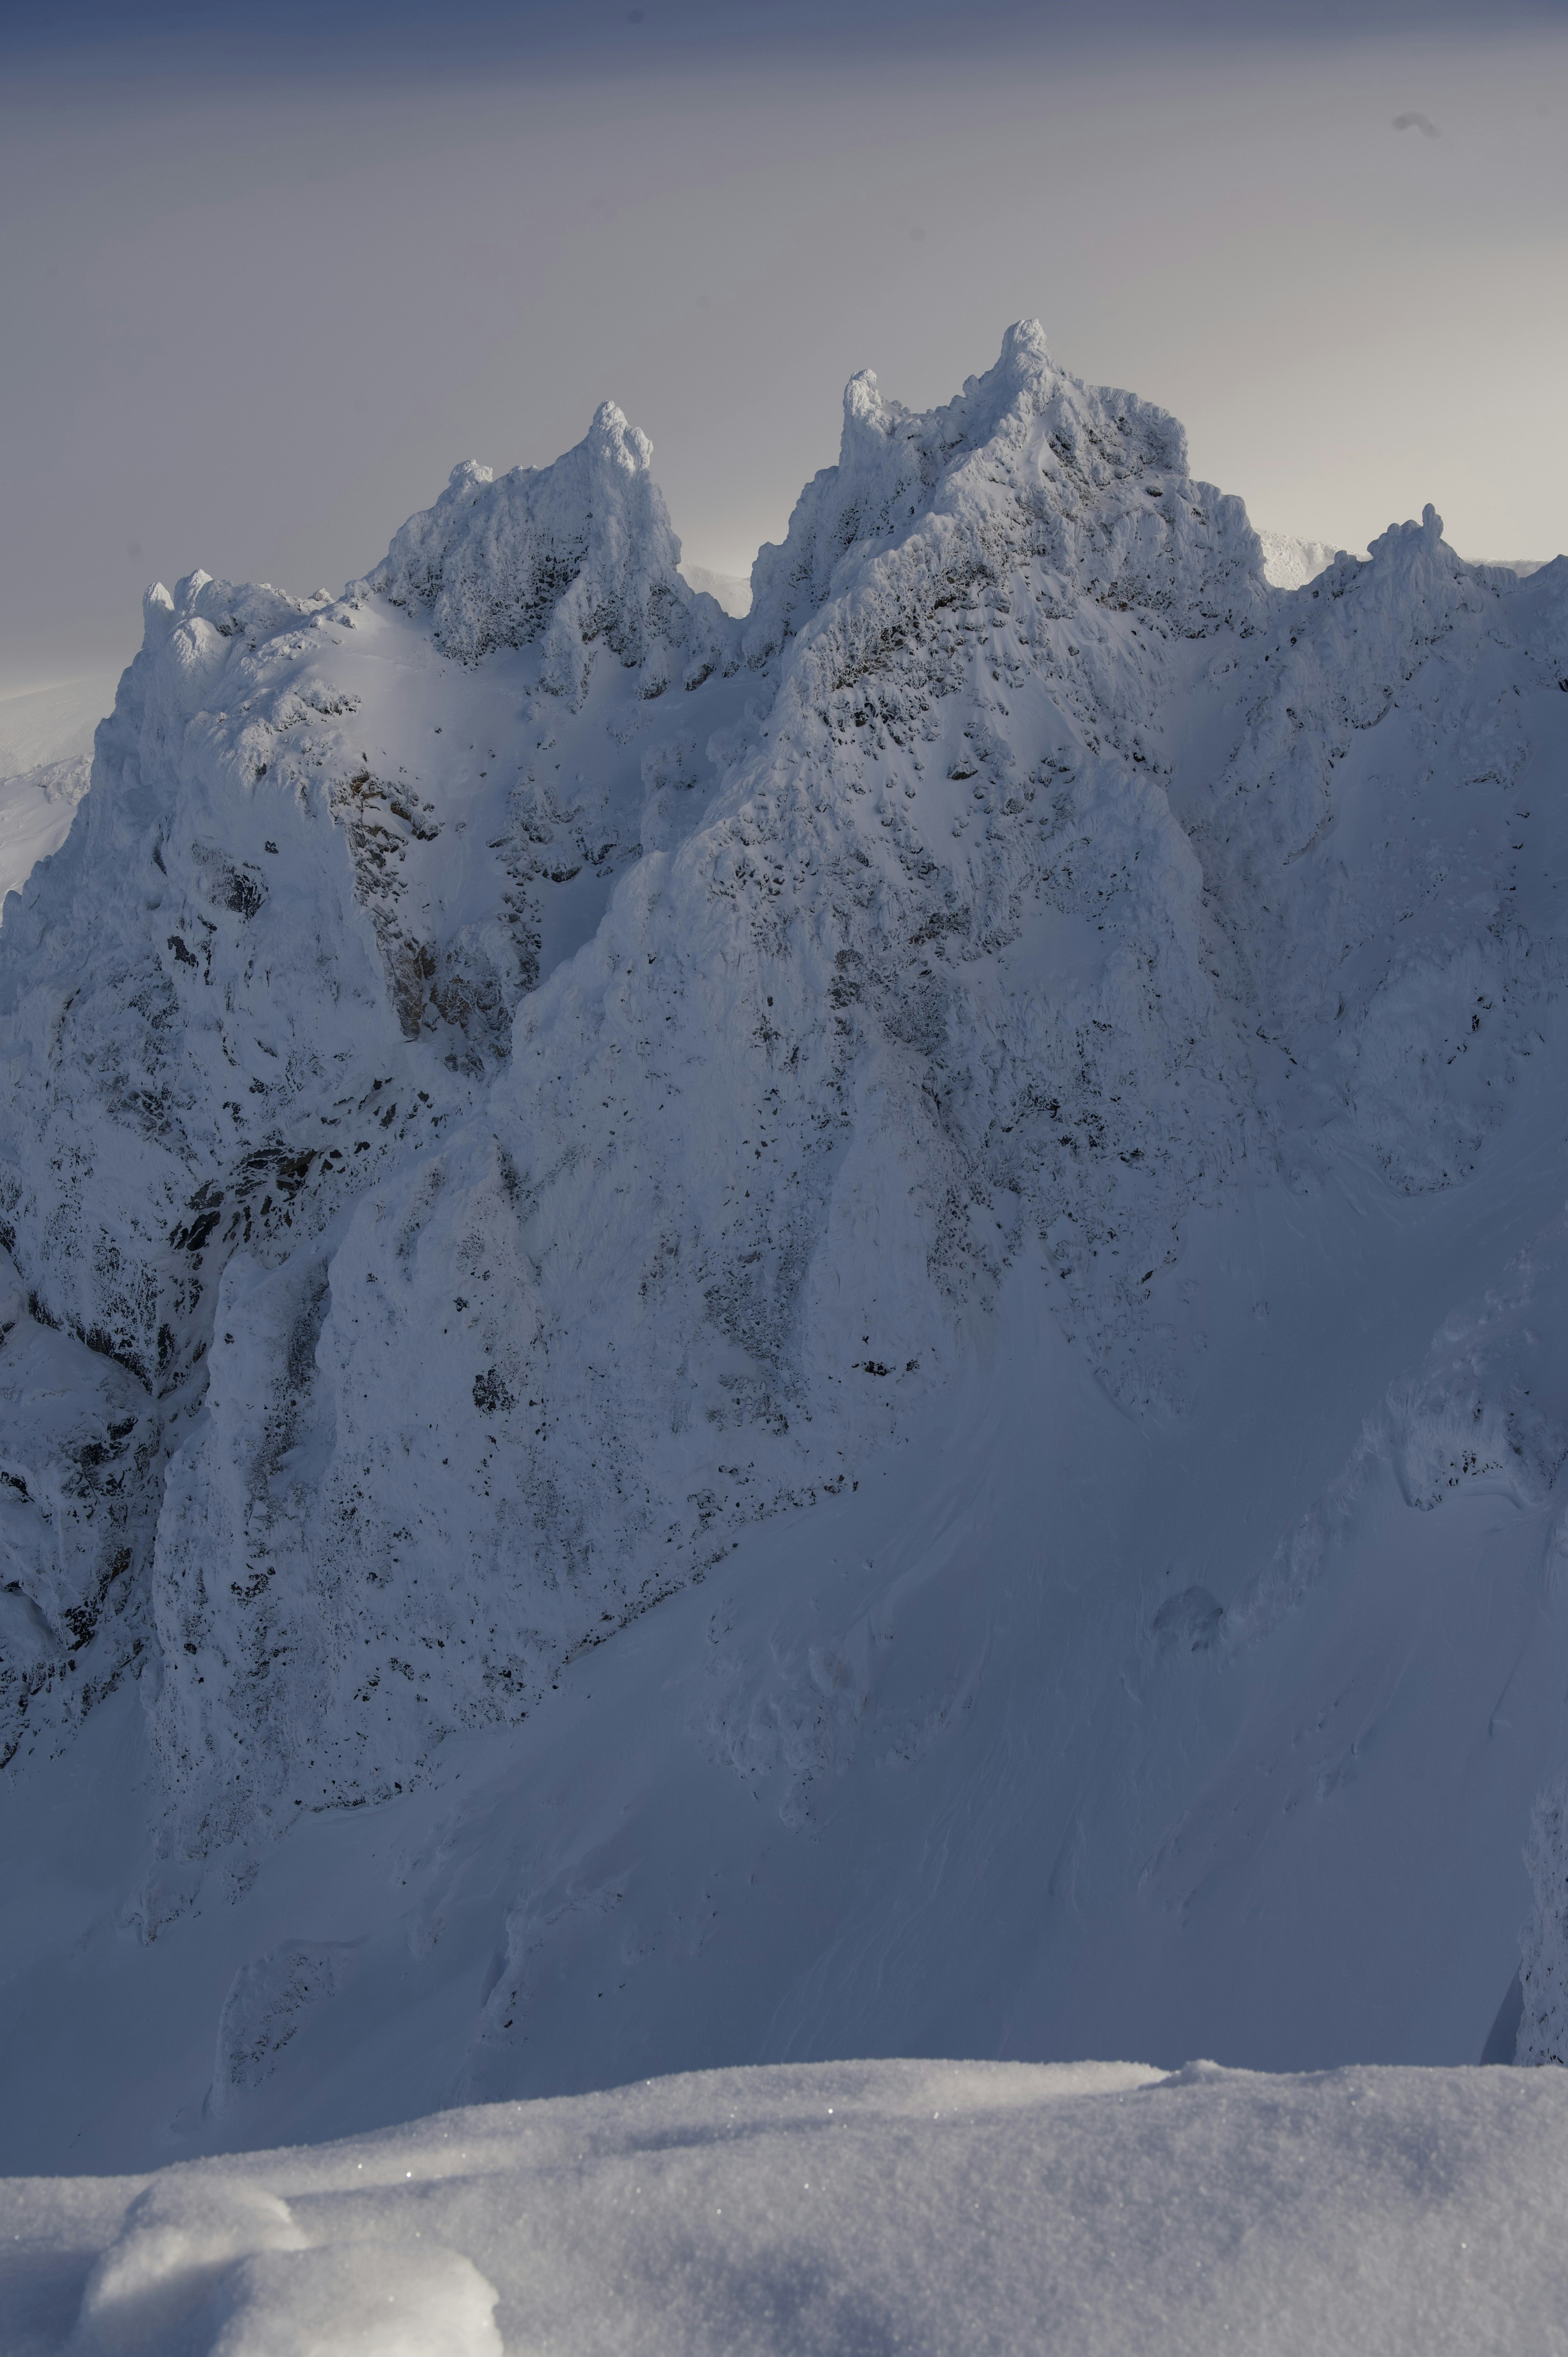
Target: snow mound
x,y
179,2238
922,2206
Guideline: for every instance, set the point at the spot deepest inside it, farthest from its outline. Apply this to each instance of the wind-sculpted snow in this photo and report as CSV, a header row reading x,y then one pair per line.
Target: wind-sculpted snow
x,y
923,2206
521,1076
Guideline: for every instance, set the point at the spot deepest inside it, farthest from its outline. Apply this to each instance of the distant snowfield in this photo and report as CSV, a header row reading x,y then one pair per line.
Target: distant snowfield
x,y
733,590
1289,563
46,756
834,2210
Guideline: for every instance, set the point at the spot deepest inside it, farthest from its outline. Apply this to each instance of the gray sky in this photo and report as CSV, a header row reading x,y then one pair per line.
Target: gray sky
x,y
256,306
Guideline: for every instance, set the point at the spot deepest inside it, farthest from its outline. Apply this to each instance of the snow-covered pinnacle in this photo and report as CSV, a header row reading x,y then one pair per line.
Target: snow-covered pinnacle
x,y
1025,452
571,553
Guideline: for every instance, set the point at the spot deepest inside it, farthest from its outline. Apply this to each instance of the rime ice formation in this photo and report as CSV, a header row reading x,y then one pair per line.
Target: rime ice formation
x,y
500,1334
519,1083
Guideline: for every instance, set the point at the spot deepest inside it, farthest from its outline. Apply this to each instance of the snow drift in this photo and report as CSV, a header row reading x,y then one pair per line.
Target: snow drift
x,y
919,2206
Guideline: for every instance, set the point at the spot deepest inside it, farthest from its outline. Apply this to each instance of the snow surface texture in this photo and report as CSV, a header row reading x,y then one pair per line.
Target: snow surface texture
x,y
987,1137
923,2207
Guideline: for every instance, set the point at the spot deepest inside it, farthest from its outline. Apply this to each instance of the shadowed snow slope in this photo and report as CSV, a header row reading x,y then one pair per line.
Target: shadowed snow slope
x,y
846,2208
988,1138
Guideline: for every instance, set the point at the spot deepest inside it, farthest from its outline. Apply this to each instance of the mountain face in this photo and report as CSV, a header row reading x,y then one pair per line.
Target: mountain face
x,y
518,1080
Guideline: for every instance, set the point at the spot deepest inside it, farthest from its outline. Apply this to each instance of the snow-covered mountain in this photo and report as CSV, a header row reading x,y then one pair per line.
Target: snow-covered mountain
x,y
985,1137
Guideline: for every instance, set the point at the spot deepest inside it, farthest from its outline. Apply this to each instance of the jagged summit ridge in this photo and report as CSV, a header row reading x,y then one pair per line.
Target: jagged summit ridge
x,y
762,1106
1085,468
568,553
548,1076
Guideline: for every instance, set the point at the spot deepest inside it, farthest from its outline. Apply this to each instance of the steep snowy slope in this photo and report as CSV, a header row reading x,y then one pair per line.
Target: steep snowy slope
x,y
956,1104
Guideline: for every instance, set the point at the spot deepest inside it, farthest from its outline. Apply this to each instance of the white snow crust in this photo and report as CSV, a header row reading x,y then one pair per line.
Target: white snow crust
x,y
925,2207
987,1137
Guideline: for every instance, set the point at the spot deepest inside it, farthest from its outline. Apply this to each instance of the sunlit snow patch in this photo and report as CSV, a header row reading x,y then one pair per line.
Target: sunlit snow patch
x,y
845,2207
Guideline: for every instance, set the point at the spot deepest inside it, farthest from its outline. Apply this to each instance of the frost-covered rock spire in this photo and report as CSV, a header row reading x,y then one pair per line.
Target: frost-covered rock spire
x,y
569,554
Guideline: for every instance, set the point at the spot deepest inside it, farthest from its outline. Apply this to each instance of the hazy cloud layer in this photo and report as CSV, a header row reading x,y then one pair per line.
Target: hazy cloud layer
x,y
269,277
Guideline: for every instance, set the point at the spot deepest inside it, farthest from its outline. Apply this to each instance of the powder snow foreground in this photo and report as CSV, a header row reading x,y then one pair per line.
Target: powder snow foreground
x,y
940,2207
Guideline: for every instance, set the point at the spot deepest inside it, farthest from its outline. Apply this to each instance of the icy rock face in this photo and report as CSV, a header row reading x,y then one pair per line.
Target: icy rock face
x,y
269,1999
527,1076
284,942
81,1438
567,555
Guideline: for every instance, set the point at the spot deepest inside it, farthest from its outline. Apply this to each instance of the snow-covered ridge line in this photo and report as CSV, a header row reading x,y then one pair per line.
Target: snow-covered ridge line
x,y
522,1076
